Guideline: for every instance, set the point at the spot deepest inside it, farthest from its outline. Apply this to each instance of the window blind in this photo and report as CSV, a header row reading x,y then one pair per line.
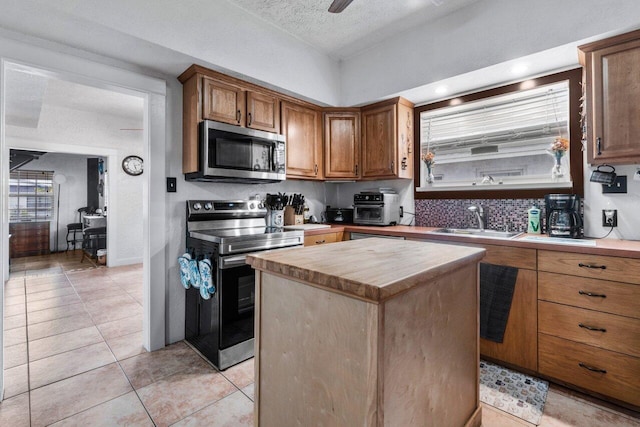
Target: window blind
x,y
30,196
515,119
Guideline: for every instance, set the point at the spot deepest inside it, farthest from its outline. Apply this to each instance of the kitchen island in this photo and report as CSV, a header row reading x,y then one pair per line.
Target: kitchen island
x,y
367,332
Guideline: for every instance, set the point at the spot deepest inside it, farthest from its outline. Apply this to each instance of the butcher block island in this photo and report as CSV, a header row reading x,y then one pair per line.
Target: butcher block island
x,y
371,332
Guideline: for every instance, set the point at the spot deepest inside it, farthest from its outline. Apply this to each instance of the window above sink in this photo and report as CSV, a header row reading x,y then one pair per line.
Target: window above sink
x,y
520,140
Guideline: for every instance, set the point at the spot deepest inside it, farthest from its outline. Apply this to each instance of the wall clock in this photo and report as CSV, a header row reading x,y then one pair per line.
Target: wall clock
x,y
132,165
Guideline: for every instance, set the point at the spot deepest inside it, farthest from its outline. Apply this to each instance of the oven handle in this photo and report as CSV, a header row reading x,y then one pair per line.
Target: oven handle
x,y
232,261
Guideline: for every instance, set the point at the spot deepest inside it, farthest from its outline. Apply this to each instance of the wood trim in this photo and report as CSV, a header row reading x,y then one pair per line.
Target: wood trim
x,y
191,114
599,44
575,92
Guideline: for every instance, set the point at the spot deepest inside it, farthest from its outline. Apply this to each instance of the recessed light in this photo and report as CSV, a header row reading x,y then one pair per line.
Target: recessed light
x,y
519,69
441,90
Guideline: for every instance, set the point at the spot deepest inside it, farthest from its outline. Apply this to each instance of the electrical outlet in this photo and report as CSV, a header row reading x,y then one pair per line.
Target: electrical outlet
x,y
609,217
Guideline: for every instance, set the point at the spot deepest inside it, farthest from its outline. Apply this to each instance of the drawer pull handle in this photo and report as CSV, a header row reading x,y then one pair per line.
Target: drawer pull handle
x,y
320,241
592,369
591,328
591,294
602,267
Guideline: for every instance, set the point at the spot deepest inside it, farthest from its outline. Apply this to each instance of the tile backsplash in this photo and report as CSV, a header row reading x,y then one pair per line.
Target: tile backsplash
x,y
500,213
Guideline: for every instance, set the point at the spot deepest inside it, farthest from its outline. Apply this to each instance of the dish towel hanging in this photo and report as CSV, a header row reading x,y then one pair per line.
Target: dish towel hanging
x,y
497,283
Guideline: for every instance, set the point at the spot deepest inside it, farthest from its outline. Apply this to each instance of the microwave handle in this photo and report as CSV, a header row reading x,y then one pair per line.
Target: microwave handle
x,y
273,157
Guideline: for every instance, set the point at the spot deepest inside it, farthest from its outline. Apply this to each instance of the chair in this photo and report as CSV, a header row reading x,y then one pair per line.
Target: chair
x,y
93,239
74,229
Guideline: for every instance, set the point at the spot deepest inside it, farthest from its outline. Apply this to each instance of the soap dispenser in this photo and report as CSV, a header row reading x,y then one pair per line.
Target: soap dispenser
x,y
533,222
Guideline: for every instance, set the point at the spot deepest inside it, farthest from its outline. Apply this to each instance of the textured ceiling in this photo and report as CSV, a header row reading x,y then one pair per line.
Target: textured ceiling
x,y
361,25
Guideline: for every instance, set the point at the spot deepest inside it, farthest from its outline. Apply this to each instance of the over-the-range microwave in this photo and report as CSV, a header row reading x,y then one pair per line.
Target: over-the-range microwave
x,y
230,153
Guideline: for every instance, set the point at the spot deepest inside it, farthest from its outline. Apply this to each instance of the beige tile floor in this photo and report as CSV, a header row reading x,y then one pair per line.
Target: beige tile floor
x,y
73,357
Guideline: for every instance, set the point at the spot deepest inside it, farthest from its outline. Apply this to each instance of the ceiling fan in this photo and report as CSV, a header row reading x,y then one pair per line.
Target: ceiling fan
x,y
339,5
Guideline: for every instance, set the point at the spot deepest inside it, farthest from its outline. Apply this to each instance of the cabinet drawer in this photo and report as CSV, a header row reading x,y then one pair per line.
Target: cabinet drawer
x,y
593,266
607,331
594,294
569,362
320,239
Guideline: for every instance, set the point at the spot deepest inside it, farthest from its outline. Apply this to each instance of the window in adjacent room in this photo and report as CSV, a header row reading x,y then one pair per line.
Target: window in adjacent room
x,y
30,196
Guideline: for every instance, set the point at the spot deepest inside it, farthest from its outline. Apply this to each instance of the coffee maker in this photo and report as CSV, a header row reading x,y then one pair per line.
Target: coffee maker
x,y
563,215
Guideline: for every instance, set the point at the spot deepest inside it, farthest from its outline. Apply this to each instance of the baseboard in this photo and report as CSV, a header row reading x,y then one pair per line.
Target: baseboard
x,y
123,261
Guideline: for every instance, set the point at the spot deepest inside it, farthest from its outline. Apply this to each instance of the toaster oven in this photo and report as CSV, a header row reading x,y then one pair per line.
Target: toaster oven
x,y
373,208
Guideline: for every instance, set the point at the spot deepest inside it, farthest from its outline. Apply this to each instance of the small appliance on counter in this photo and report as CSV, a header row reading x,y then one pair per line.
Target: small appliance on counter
x,y
563,215
339,215
376,208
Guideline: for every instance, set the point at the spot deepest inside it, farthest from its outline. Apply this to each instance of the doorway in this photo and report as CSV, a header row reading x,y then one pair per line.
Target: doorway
x,y
80,136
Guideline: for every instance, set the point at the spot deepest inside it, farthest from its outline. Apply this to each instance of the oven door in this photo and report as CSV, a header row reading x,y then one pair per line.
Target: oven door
x,y
236,287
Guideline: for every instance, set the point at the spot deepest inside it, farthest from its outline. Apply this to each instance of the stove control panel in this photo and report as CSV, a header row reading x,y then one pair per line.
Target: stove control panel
x,y
214,209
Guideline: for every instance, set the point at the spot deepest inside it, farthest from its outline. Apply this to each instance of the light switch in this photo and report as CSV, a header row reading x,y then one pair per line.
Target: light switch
x,y
171,184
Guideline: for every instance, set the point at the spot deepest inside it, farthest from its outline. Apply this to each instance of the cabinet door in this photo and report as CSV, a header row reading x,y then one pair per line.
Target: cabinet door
x,y
341,144
223,102
378,142
613,122
263,112
301,127
519,347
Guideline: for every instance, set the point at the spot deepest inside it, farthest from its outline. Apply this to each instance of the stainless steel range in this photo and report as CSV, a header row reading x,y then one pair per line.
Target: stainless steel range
x,y
225,231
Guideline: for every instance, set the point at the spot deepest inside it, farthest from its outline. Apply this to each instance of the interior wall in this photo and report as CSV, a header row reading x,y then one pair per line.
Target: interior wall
x,y
72,194
167,38
627,205
340,195
485,33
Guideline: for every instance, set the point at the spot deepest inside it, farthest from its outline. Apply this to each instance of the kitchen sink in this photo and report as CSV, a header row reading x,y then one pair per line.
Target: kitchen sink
x,y
477,232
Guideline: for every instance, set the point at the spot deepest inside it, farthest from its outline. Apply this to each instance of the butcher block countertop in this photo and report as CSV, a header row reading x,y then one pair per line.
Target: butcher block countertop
x,y
370,269
609,247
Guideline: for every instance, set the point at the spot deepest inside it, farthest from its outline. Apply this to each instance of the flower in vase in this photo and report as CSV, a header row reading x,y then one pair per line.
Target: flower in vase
x,y
558,149
559,146
427,158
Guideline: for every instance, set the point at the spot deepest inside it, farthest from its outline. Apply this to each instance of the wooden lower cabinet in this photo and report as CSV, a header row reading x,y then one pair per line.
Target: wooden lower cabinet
x,y
605,372
604,330
519,347
589,323
29,239
320,239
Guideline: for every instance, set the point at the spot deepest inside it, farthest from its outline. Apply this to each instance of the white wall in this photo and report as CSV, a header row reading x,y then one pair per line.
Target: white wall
x,y
628,206
170,35
487,32
340,195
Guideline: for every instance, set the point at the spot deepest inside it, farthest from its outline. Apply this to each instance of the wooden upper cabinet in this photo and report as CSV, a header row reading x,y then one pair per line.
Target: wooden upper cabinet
x,y
342,144
207,94
387,139
378,136
612,67
223,102
302,128
263,112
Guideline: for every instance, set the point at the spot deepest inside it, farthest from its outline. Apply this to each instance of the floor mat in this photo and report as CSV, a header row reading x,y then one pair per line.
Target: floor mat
x,y
513,392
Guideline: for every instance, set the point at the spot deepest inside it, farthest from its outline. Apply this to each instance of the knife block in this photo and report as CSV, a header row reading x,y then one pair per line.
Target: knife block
x,y
290,217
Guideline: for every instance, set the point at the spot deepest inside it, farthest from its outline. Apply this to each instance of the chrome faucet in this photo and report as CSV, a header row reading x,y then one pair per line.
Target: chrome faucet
x,y
480,214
